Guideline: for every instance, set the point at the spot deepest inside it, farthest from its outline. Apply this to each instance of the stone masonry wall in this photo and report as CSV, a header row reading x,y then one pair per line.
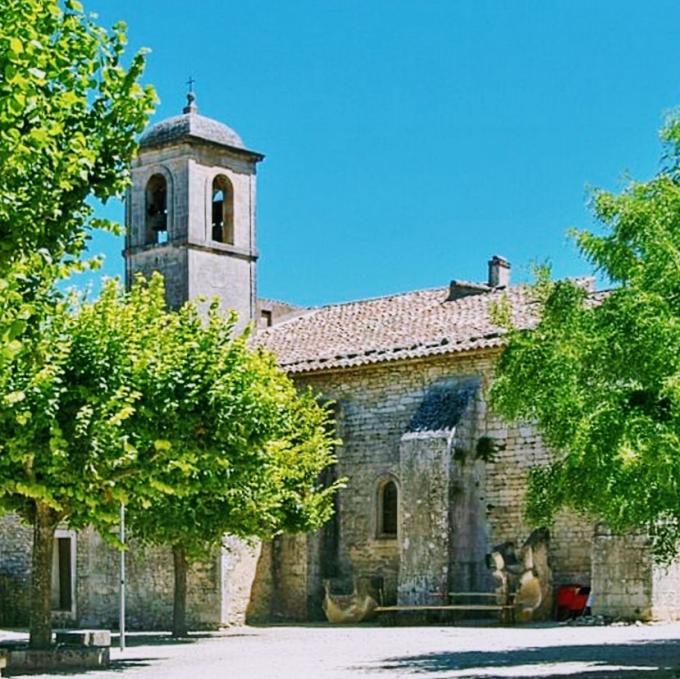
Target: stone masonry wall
x,y
149,583
240,564
15,570
375,405
149,591
424,529
627,583
666,591
171,261
470,542
191,262
289,573
220,590
622,575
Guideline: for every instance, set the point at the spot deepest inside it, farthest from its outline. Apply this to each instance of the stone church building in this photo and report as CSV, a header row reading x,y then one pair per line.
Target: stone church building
x,y
434,479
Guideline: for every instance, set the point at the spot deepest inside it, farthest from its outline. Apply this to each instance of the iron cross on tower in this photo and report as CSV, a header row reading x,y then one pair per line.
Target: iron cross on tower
x,y
191,97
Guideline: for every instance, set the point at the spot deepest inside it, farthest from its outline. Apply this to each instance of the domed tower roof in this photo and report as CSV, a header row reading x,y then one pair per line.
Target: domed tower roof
x,y
192,126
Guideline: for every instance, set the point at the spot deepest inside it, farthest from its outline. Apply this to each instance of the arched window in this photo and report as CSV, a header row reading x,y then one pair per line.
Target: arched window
x,y
222,210
157,210
388,509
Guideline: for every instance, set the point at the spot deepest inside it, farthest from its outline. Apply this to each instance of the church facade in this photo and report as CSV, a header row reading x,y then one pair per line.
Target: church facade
x,y
433,478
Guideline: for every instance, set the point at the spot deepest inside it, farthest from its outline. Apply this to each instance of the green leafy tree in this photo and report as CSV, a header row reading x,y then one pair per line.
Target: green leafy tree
x,y
69,112
600,372
66,394
249,448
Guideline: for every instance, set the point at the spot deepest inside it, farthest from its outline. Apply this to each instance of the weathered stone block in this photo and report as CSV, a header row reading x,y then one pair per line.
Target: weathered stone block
x,y
64,657
91,637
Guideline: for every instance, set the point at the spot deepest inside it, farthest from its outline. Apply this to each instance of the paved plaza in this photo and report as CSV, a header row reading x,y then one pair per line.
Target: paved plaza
x,y
324,652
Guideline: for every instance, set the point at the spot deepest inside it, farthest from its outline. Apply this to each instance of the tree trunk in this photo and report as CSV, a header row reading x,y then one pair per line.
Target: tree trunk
x,y
179,610
44,525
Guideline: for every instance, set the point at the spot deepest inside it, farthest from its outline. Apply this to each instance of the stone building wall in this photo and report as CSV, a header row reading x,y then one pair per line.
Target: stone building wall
x,y
666,591
239,589
191,262
290,576
425,475
470,504
219,589
627,583
375,406
622,575
149,590
172,261
15,569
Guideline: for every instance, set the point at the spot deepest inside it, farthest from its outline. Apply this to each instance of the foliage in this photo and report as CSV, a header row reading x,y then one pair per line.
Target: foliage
x,y
60,442
66,388
69,112
600,373
248,447
487,448
245,451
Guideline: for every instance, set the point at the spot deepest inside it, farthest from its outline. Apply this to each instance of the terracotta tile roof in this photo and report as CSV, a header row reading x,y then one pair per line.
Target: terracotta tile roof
x,y
410,325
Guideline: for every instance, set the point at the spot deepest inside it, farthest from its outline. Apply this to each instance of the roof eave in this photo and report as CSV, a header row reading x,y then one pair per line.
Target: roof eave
x,y
193,139
293,369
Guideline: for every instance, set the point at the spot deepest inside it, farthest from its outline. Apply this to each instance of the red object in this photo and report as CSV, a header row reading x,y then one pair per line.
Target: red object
x,y
570,601
580,601
566,594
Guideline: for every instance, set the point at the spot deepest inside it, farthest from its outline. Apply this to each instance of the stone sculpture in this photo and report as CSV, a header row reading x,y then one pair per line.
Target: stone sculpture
x,y
526,580
348,608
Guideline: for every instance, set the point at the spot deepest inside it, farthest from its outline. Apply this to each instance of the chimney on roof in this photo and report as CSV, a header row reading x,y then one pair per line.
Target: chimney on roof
x,y
499,272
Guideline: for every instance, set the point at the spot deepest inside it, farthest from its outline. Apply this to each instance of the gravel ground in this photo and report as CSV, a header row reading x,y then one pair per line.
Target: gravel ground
x,y
324,652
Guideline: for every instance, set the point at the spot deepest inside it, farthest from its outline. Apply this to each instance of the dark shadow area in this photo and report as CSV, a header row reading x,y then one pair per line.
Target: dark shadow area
x,y
310,625
130,641
634,659
157,639
116,667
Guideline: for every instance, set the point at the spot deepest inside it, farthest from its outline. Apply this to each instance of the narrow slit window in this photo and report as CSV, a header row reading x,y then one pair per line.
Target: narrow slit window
x,y
222,211
157,210
62,574
388,510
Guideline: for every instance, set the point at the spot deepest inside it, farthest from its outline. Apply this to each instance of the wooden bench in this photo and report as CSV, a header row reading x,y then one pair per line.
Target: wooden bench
x,y
506,610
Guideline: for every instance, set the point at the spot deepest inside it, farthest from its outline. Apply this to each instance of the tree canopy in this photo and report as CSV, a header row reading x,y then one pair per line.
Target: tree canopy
x,y
122,401
70,110
600,372
69,113
248,448
67,390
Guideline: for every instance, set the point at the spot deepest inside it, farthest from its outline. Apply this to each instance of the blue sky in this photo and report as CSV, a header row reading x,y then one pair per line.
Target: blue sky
x,y
406,142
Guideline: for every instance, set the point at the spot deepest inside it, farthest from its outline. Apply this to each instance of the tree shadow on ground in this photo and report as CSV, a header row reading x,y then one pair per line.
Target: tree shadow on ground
x,y
133,639
120,665
658,658
116,666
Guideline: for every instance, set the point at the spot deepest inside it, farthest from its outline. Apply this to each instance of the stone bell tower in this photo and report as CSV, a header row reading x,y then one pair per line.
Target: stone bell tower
x,y
190,212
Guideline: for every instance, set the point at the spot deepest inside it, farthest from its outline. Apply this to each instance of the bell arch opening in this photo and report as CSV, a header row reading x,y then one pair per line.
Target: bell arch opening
x,y
156,227
222,227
